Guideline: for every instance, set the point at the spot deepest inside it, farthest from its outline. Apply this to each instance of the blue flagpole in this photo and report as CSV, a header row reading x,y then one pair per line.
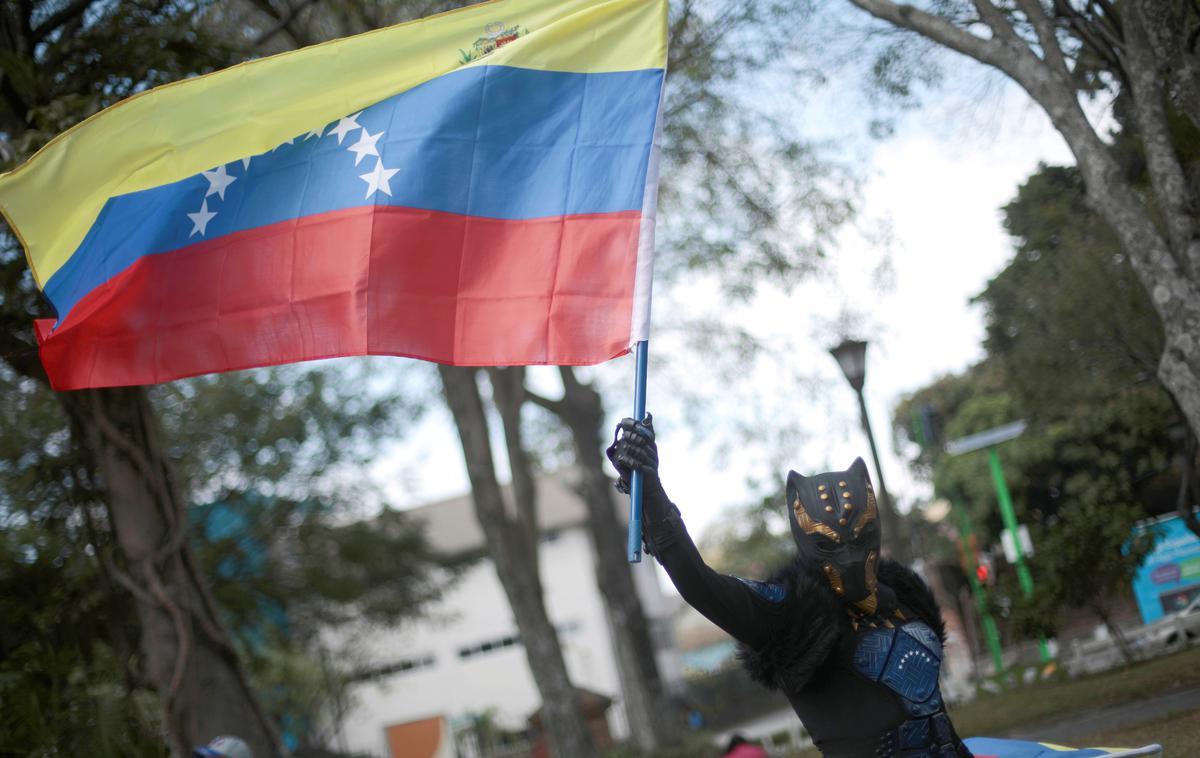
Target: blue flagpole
x,y
635,481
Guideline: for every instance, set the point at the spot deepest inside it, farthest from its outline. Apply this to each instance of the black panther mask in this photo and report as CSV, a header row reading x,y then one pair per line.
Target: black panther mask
x,y
835,523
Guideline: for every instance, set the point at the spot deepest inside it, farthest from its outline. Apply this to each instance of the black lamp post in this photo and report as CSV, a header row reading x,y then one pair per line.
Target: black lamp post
x,y
851,355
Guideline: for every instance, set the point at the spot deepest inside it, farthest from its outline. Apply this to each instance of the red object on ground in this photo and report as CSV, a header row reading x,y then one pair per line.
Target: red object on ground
x,y
746,750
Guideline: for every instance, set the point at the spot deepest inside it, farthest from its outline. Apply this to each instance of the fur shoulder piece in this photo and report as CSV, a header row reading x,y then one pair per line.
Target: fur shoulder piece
x,y
912,591
814,620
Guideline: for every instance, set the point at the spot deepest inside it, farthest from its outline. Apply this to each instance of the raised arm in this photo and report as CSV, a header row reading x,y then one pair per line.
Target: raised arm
x,y
747,610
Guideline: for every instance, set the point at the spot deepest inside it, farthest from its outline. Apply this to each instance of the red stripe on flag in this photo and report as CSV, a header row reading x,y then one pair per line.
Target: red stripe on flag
x,y
370,280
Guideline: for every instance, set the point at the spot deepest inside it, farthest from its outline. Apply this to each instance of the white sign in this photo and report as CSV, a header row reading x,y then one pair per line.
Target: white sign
x,y
1010,550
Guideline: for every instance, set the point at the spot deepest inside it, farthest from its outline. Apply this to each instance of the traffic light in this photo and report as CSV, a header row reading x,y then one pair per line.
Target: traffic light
x,y
984,570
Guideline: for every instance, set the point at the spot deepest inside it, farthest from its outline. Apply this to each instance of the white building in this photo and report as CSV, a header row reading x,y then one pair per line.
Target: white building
x,y
465,659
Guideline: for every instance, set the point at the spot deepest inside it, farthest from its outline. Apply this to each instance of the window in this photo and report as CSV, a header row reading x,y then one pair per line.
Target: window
x,y
489,646
399,667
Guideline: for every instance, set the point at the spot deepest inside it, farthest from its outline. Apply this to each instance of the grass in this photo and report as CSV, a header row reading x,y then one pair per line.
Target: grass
x,y
1179,735
994,715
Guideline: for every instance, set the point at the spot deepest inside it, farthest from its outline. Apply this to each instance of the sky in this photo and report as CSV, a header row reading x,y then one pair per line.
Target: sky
x,y
937,184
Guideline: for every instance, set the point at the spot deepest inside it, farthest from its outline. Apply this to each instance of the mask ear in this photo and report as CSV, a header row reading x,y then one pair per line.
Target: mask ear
x,y
795,483
859,468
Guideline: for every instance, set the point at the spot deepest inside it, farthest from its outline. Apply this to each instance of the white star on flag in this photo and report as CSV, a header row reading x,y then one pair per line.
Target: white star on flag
x,y
201,218
345,126
318,133
379,179
365,146
218,180
245,164
281,144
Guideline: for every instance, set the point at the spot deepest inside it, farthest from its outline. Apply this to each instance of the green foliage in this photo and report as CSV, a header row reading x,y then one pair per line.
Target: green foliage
x,y
289,430
68,642
1068,305
1085,558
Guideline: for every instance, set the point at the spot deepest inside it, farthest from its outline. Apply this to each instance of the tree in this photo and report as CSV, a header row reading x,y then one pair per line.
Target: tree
x,y
1143,52
511,545
648,708
1071,346
1067,321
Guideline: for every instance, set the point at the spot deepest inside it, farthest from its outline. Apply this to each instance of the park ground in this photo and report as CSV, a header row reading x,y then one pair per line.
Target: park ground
x,y
1157,701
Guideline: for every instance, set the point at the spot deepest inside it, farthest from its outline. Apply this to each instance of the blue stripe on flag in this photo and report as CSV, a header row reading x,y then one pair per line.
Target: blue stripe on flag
x,y
491,141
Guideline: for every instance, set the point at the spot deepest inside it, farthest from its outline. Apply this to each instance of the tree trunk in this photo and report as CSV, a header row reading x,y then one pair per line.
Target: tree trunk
x,y
510,549
188,656
653,720
1117,634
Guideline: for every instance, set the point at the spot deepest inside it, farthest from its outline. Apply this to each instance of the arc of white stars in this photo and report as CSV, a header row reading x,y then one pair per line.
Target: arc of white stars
x,y
345,126
365,146
319,132
218,180
200,219
379,180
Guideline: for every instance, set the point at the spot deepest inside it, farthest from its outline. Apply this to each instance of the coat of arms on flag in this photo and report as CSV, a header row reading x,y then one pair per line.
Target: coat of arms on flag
x,y
496,35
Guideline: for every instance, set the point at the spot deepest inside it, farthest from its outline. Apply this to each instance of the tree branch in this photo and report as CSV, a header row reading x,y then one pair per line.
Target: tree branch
x,y
997,22
1093,34
991,51
1043,26
61,16
508,393
556,407
284,23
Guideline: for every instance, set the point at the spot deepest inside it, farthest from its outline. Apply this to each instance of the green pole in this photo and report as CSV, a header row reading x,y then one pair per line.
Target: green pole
x,y
979,592
1010,523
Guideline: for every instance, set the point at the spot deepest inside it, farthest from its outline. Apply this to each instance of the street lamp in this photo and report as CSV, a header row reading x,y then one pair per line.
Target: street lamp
x,y
851,355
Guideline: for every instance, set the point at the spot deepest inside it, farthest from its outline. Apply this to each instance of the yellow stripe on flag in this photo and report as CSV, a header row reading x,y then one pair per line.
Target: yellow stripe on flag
x,y
180,129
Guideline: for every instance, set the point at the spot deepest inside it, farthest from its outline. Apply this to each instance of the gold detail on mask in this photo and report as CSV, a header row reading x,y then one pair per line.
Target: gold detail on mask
x,y
824,495
829,509
842,521
846,495
868,604
841,484
808,526
820,488
869,515
835,579
872,579
847,506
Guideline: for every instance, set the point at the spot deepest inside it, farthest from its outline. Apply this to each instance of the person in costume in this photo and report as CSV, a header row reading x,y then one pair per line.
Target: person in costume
x,y
854,640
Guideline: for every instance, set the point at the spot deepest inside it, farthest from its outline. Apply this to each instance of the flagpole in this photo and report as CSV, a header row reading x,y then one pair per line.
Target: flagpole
x,y
634,543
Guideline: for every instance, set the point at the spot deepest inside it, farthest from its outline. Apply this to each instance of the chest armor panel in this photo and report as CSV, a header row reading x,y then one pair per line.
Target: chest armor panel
x,y
907,660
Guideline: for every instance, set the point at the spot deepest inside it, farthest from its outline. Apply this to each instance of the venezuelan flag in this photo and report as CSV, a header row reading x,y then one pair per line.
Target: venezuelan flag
x,y
473,188
988,747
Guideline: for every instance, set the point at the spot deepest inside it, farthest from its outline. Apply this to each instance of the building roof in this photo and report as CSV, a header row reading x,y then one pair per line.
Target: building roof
x,y
451,526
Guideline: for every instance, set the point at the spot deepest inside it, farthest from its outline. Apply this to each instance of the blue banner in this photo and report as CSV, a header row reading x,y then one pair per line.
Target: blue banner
x,y
1170,576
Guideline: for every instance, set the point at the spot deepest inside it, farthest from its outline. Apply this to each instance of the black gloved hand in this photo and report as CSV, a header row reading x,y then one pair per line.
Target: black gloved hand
x,y
633,448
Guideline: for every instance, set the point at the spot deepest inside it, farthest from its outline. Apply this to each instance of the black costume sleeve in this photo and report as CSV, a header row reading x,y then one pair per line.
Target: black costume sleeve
x,y
732,604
